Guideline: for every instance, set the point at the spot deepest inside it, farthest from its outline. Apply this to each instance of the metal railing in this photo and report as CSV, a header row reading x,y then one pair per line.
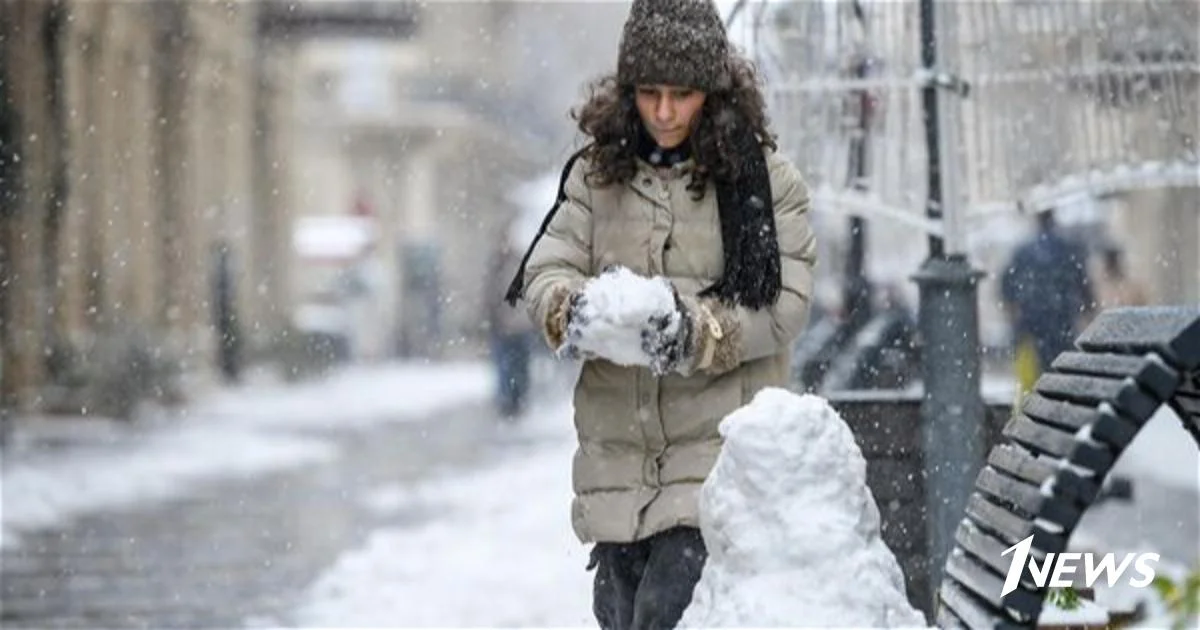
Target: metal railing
x,y
1058,98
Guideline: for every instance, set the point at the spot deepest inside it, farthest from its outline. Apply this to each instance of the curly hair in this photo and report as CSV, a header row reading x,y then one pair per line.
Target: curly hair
x,y
610,118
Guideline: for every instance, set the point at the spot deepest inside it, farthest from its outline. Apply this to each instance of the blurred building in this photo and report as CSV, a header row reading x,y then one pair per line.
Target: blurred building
x,y
187,188
425,129
129,174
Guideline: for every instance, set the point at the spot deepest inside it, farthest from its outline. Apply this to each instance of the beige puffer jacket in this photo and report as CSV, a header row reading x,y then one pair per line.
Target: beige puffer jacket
x,y
646,444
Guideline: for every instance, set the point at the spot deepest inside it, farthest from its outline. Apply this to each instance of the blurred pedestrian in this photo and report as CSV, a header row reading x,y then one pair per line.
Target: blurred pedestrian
x,y
681,181
1114,287
225,318
1047,294
511,333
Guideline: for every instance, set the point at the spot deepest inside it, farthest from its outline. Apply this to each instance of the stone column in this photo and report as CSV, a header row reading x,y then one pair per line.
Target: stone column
x,y
177,109
144,225
271,220
71,302
239,71
23,367
112,141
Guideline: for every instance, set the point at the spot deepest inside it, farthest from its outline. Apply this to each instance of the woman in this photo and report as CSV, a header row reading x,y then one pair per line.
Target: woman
x,y
681,181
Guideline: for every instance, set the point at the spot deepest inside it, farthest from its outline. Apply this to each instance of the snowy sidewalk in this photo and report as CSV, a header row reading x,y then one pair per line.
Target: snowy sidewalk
x,y
177,537
235,433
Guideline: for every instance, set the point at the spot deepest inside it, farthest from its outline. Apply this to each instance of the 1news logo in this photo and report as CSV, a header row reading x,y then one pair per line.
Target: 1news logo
x,y
1056,569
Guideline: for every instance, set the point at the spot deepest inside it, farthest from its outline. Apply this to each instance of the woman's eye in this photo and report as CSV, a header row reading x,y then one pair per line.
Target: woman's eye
x,y
682,93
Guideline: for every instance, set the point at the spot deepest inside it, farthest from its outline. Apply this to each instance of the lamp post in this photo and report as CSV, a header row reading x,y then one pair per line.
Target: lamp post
x,y
952,410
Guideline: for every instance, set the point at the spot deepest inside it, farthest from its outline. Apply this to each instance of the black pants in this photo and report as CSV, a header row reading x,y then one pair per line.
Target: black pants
x,y
646,585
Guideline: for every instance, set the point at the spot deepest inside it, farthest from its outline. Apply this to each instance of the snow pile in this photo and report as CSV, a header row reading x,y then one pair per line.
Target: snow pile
x,y
616,307
791,528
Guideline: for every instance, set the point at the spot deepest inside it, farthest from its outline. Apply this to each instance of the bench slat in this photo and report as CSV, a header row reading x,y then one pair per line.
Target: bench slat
x,y
1046,439
1149,370
1172,331
985,547
1009,527
1082,389
1021,463
1022,496
971,611
1039,437
964,611
1058,412
977,579
1028,499
946,619
1108,427
1103,364
1124,395
992,518
1018,462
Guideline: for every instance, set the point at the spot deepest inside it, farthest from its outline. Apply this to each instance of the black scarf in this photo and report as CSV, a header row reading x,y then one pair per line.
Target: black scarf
x,y
751,276
657,156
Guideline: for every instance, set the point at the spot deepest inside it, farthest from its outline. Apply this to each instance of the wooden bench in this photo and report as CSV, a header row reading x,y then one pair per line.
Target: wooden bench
x,y
1058,450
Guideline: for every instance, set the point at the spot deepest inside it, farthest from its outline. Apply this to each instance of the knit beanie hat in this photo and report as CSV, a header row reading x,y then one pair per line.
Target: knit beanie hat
x,y
674,42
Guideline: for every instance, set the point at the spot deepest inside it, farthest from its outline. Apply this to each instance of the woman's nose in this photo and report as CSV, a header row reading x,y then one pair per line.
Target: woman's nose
x,y
666,109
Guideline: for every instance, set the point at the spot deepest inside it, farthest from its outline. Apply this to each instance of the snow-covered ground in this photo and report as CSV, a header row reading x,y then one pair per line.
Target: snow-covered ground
x,y
1164,452
501,551
357,396
504,554
236,432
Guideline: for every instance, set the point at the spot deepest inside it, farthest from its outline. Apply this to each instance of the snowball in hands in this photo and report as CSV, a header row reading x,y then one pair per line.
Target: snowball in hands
x,y
791,528
613,310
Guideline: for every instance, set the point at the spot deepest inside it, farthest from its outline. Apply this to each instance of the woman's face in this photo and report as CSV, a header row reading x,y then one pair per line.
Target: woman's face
x,y
669,112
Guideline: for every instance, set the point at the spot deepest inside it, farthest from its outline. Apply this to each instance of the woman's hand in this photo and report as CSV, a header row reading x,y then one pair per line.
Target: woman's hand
x,y
564,322
606,317
632,320
576,322
666,338
697,335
